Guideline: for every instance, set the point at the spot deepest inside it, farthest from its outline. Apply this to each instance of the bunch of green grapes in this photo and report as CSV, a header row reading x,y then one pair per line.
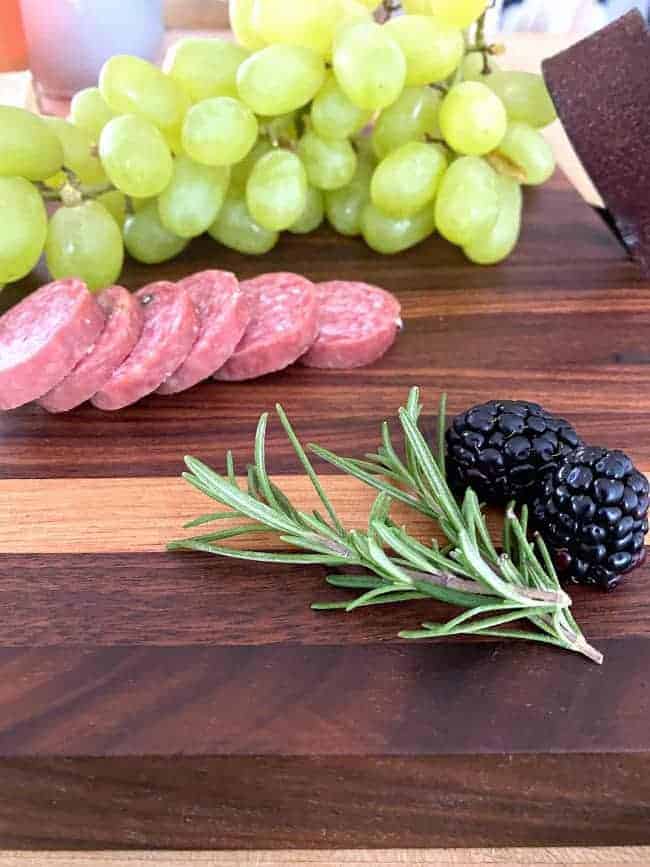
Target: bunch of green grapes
x,y
390,128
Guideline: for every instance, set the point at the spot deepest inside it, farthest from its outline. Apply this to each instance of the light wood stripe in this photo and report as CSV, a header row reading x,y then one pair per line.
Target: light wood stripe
x,y
89,516
84,516
349,858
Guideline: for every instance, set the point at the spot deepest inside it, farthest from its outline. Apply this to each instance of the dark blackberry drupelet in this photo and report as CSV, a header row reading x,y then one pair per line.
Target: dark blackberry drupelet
x,y
503,449
593,515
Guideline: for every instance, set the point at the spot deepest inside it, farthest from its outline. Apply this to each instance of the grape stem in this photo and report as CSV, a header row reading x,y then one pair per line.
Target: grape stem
x,y
386,11
72,191
50,195
480,44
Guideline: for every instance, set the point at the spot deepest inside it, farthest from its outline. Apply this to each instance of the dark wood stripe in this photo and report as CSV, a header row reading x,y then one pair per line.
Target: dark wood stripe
x,y
322,700
145,442
136,599
297,802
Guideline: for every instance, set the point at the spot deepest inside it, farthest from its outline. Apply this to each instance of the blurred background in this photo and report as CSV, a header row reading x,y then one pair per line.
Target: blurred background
x,y
563,16
27,24
552,16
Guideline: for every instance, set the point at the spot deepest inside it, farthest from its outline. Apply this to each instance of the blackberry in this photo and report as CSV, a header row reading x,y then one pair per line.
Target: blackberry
x,y
593,515
504,448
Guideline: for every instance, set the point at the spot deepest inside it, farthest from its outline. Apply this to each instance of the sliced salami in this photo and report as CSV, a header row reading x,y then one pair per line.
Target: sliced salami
x,y
124,320
43,337
224,313
358,323
170,328
283,326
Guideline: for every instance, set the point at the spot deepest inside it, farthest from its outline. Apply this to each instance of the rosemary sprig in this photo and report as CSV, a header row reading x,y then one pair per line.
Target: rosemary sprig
x,y
493,589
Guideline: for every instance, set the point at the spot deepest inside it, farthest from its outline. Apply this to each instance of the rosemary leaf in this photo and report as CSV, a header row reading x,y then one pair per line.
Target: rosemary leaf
x,y
491,590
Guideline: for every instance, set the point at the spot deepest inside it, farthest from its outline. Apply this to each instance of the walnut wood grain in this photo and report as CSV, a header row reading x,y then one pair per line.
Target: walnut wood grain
x,y
177,701
198,802
135,599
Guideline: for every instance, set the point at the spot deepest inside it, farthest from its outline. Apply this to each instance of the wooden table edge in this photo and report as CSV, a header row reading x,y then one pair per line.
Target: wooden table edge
x,y
519,857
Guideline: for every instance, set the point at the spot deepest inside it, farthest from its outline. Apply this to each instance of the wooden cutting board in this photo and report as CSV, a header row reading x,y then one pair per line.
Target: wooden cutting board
x,y
154,700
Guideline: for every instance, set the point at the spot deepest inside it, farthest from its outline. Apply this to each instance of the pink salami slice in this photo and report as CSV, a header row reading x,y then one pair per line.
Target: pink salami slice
x,y
224,313
358,324
43,337
283,326
124,320
170,327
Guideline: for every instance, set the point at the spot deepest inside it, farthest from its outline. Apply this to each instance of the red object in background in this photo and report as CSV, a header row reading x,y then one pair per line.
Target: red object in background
x,y
13,50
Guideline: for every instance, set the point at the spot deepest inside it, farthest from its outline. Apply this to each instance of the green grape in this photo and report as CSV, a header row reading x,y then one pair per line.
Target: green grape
x,y
411,118
28,148
312,216
524,95
24,226
467,204
276,193
472,119
333,115
280,79
131,85
528,152
350,9
407,179
500,241
369,64
191,202
473,67
206,67
235,228
219,131
78,151
147,240
309,23
417,7
84,241
115,203
432,50
240,173
135,156
89,111
330,164
458,13
241,12
389,235
344,207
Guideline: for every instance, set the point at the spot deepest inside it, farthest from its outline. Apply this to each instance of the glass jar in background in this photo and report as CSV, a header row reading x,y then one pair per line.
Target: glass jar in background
x,y
13,51
69,40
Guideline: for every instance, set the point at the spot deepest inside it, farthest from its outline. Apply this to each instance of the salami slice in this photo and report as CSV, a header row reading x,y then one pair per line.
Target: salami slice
x,y
124,320
358,324
224,313
284,325
43,337
170,328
